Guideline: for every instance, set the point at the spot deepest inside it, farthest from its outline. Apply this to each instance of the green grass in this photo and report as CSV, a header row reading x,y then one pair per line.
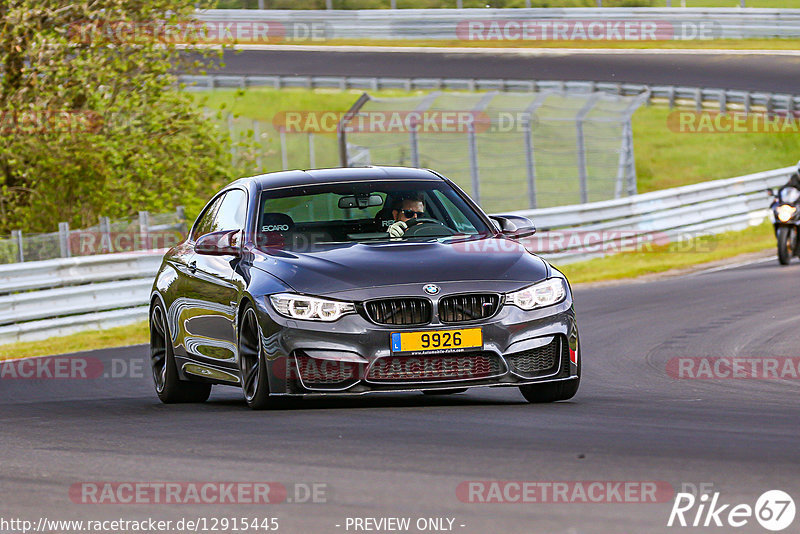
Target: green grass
x,y
673,256
90,340
664,158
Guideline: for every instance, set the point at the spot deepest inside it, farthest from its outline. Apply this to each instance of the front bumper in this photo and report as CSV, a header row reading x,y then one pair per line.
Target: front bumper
x,y
353,355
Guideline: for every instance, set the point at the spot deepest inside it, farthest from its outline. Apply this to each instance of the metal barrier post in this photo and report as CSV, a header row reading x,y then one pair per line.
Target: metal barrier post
x,y
180,214
105,235
473,165
16,235
312,156
582,174
341,128
144,227
413,138
284,152
530,158
63,239
257,136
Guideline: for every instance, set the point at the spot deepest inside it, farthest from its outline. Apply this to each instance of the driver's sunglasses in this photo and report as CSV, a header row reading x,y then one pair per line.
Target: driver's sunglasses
x,y
410,214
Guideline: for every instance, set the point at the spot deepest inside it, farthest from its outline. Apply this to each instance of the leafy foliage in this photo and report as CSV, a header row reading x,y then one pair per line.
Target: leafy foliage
x,y
90,121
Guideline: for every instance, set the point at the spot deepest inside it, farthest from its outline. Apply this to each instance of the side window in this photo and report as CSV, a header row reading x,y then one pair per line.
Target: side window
x,y
228,212
456,215
205,224
233,211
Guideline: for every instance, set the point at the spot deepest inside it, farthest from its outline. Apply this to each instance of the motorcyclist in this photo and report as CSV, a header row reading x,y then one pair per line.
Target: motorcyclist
x,y
794,179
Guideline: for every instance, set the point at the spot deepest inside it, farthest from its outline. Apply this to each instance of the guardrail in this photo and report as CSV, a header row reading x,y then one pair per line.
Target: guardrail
x,y
144,232
587,231
41,299
674,96
57,297
454,24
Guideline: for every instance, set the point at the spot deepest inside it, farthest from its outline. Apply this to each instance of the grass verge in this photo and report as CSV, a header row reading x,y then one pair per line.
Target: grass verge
x,y
677,255
119,336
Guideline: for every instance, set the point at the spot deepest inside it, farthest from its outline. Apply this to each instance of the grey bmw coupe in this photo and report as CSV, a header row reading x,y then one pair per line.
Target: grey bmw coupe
x,y
356,280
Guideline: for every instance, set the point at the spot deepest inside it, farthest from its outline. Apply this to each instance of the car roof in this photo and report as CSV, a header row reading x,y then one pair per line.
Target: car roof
x,y
343,174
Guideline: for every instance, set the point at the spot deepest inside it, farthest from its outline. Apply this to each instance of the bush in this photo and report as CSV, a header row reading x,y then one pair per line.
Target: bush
x,y
90,123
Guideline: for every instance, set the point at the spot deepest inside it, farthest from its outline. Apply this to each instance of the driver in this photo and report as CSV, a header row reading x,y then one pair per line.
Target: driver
x,y
403,210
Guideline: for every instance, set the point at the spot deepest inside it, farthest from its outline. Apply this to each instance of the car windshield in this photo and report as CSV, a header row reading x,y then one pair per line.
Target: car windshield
x,y
302,216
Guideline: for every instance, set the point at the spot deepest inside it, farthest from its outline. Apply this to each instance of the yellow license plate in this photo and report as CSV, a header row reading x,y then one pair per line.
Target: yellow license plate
x,y
437,340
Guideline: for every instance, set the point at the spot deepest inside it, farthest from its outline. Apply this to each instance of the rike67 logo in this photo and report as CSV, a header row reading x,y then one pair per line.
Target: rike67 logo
x,y
774,510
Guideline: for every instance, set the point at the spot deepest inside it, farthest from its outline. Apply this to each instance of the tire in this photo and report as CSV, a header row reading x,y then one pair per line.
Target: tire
x,y
786,237
444,391
252,365
553,391
169,388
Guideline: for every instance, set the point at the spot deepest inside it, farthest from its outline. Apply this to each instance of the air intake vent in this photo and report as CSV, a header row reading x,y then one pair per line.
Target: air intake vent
x,y
536,362
464,308
468,366
399,311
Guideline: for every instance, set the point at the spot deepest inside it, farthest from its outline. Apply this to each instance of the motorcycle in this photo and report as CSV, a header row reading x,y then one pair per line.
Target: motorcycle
x,y
786,220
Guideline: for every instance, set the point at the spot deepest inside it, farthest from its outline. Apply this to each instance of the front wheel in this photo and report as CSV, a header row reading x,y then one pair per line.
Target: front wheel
x,y
786,238
554,391
169,388
551,391
253,367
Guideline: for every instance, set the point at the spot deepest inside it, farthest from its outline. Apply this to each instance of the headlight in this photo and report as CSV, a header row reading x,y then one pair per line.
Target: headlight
x,y
785,212
309,308
545,293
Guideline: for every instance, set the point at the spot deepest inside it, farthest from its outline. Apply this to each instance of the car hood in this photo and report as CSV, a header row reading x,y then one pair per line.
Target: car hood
x,y
503,263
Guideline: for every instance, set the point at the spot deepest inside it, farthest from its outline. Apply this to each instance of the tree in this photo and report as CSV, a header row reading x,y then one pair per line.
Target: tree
x,y
91,122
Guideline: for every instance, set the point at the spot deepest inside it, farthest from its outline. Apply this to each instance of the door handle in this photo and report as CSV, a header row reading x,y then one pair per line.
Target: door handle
x,y
193,266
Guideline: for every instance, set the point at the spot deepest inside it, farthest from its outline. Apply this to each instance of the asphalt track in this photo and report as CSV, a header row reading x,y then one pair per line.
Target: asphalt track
x,y
405,454
771,73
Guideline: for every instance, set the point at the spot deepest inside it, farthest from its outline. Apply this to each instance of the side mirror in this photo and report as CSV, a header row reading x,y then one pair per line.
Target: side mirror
x,y
514,226
225,243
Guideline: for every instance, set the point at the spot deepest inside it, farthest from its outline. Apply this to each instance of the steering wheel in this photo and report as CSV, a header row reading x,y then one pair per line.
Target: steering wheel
x,y
424,227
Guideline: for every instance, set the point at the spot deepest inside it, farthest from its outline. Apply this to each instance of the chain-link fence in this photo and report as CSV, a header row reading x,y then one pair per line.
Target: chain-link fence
x,y
143,232
508,150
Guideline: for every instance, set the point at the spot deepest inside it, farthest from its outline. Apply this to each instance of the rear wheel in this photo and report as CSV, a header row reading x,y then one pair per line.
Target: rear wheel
x,y
786,238
169,387
253,367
